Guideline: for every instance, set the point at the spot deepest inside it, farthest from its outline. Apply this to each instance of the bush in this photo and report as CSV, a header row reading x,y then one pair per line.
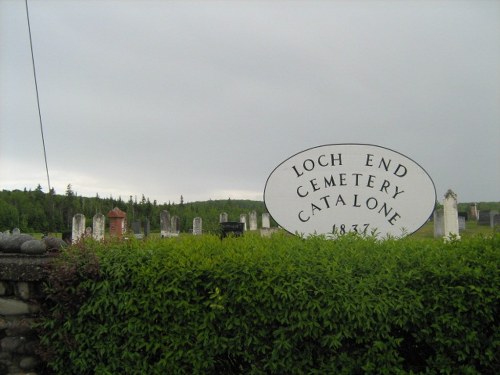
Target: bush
x,y
279,305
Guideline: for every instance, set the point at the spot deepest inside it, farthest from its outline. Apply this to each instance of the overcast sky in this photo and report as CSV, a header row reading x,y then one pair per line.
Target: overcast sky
x,y
205,98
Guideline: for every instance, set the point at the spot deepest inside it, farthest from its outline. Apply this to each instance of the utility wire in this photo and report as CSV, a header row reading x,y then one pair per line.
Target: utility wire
x,y
37,96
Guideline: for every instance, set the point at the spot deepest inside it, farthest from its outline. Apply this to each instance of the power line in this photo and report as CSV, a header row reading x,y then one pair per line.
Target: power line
x,y
37,96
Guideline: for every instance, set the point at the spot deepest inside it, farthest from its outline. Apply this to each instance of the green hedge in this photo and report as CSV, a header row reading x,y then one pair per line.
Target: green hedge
x,y
279,305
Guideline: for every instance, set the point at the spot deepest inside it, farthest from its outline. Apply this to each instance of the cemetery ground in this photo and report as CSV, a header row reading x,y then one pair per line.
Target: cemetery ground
x,y
426,231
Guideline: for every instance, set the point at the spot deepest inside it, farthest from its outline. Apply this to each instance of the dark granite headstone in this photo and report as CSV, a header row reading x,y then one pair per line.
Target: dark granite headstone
x,y
233,228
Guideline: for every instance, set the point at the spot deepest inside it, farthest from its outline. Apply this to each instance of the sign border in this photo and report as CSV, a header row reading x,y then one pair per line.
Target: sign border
x,y
349,144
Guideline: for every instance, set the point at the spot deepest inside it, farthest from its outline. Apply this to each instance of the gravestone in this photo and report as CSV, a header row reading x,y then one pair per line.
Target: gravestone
x,y
137,230
78,228
165,225
175,226
117,222
253,220
496,221
450,215
461,223
266,222
473,212
147,227
16,231
197,226
98,224
223,218
487,218
88,232
484,218
438,223
243,219
233,228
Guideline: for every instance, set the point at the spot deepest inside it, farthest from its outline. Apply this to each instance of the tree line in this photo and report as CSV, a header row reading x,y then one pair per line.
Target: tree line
x,y
33,211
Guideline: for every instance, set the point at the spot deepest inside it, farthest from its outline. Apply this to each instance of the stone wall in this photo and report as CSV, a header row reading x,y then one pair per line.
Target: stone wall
x,y
22,273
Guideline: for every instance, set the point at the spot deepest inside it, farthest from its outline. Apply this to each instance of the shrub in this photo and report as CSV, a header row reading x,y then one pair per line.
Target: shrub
x,y
252,305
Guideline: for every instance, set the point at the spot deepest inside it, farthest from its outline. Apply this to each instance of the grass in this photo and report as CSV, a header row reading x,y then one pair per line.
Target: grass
x,y
471,229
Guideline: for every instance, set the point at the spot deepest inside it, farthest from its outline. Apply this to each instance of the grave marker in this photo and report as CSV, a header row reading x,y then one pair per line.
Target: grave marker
x,y
474,214
147,227
165,225
78,228
253,220
197,226
266,221
438,223
223,217
243,219
450,215
137,230
99,225
175,226
117,222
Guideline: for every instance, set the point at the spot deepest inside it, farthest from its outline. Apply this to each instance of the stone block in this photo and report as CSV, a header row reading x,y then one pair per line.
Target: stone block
x,y
33,247
15,307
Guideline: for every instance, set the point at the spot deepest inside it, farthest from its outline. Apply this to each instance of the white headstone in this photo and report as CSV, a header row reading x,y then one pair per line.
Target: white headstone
x,y
197,226
451,228
16,231
243,219
253,220
474,214
175,227
98,224
223,218
438,223
165,225
78,230
266,222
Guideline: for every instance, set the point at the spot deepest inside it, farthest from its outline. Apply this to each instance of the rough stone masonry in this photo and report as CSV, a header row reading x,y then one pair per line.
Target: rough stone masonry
x,y
22,260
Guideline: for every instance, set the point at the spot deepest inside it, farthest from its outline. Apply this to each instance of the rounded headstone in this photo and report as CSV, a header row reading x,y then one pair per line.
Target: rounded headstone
x,y
33,247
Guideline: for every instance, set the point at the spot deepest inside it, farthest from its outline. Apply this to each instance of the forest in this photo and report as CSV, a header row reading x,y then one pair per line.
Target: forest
x,y
34,211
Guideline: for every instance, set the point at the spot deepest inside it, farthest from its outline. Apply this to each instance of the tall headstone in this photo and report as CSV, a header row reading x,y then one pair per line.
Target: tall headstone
x,y
147,227
78,228
496,221
253,220
175,225
136,229
461,223
223,217
117,222
165,228
487,217
438,223
484,217
197,226
451,228
473,212
98,224
243,219
266,221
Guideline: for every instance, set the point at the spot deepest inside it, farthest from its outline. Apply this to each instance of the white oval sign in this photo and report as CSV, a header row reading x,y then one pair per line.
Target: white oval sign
x,y
342,188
